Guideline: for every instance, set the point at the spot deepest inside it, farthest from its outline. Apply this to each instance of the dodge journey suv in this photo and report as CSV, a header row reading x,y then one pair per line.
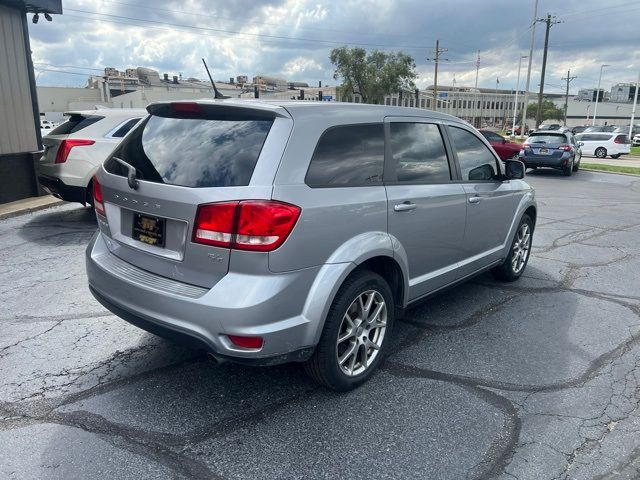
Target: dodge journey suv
x,y
268,232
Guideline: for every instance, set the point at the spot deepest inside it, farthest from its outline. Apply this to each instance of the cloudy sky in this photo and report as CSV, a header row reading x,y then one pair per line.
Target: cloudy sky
x,y
293,38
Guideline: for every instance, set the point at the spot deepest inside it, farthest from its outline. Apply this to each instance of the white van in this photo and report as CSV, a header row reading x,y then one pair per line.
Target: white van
x,y
602,144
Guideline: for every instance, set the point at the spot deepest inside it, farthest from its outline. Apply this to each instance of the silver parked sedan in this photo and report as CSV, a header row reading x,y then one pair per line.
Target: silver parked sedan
x,y
292,231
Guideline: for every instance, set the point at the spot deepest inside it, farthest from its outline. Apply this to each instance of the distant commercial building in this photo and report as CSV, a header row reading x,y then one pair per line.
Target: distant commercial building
x,y
589,95
20,141
271,82
242,79
622,92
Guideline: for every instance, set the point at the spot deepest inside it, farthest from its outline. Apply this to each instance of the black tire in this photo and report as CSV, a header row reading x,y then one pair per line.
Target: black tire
x,y
601,152
617,155
323,366
89,195
566,171
576,166
506,272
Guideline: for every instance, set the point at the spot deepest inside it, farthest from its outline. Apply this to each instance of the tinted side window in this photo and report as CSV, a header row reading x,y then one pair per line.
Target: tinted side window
x,y
350,155
75,124
418,153
124,129
477,163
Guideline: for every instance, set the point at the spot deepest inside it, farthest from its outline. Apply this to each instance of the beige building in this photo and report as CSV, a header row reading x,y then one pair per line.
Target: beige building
x,y
20,141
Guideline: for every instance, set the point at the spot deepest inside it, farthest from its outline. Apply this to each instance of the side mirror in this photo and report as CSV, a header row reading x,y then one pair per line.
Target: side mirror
x,y
514,169
504,140
483,172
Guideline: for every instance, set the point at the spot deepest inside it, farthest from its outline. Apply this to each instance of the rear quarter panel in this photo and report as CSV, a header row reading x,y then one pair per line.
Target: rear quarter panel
x,y
333,220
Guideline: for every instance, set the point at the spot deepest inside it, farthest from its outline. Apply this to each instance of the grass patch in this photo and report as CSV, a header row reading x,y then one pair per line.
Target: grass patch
x,y
635,151
610,168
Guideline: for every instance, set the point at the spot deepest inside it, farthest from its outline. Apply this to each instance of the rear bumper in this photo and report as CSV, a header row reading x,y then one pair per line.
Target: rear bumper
x,y
58,188
270,306
545,161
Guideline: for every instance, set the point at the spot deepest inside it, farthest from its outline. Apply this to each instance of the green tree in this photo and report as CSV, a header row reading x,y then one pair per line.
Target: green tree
x,y
372,75
549,111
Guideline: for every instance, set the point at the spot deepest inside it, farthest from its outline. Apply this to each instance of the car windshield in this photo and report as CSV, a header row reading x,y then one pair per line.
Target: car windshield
x,y
547,138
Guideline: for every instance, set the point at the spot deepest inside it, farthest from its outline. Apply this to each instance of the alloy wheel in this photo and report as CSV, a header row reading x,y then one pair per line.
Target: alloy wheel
x,y
521,248
361,333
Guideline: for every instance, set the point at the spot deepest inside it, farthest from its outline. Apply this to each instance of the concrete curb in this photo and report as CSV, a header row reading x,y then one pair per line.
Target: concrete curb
x,y
28,205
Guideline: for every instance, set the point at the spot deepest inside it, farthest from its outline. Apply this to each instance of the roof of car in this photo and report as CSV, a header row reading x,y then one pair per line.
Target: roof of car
x,y
299,107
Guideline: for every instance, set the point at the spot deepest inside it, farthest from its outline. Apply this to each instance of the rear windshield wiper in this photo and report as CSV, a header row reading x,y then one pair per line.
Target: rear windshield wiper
x,y
131,173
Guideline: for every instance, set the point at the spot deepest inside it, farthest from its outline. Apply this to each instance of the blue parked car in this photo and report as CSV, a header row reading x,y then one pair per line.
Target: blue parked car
x,y
554,149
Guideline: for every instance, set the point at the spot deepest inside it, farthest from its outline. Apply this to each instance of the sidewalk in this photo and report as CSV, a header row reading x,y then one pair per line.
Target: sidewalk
x,y
28,205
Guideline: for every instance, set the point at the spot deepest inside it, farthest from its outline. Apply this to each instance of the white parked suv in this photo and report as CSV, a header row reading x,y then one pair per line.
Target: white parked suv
x,y
75,149
603,144
636,140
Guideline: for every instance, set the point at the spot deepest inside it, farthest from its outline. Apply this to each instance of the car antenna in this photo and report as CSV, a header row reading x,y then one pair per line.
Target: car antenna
x,y
216,92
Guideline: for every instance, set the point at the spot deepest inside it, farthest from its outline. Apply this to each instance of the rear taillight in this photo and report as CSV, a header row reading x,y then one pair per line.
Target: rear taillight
x,y
565,148
186,109
255,225
618,140
66,146
98,199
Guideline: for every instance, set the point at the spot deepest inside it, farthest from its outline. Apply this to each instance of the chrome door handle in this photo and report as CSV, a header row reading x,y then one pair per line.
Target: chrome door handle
x,y
475,199
404,207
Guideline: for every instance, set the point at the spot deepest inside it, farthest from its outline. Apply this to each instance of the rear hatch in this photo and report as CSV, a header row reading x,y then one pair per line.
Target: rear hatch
x,y
186,155
547,145
77,122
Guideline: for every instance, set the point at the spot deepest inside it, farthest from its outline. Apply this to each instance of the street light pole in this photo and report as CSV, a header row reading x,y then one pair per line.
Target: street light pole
x,y
633,111
526,89
515,104
595,108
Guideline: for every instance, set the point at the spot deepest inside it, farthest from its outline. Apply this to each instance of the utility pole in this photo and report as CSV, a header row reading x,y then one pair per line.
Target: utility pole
x,y
437,52
526,89
595,109
473,119
633,111
515,103
568,78
549,22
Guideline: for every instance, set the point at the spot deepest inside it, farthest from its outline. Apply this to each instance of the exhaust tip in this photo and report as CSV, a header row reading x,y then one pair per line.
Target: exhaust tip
x,y
212,358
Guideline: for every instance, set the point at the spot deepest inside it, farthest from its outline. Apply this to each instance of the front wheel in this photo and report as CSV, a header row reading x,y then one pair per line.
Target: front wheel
x,y
617,155
356,332
516,261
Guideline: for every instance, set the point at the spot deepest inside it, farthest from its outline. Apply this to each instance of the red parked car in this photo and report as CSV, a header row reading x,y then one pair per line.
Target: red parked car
x,y
505,149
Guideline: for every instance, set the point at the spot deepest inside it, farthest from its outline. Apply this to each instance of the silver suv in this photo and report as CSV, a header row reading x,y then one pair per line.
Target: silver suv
x,y
275,232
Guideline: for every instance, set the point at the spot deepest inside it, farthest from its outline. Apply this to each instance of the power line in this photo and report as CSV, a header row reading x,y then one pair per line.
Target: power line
x,y
237,32
68,66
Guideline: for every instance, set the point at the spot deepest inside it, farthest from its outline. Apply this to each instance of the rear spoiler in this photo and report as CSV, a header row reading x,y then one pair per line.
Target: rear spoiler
x,y
235,111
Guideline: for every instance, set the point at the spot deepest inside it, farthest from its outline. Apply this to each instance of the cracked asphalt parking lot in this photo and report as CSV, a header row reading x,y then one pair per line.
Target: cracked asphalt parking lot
x,y
531,380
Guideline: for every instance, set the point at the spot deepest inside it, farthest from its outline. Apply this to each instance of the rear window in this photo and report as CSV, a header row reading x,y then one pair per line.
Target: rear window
x,y
75,124
547,138
593,137
193,152
622,139
125,127
350,155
